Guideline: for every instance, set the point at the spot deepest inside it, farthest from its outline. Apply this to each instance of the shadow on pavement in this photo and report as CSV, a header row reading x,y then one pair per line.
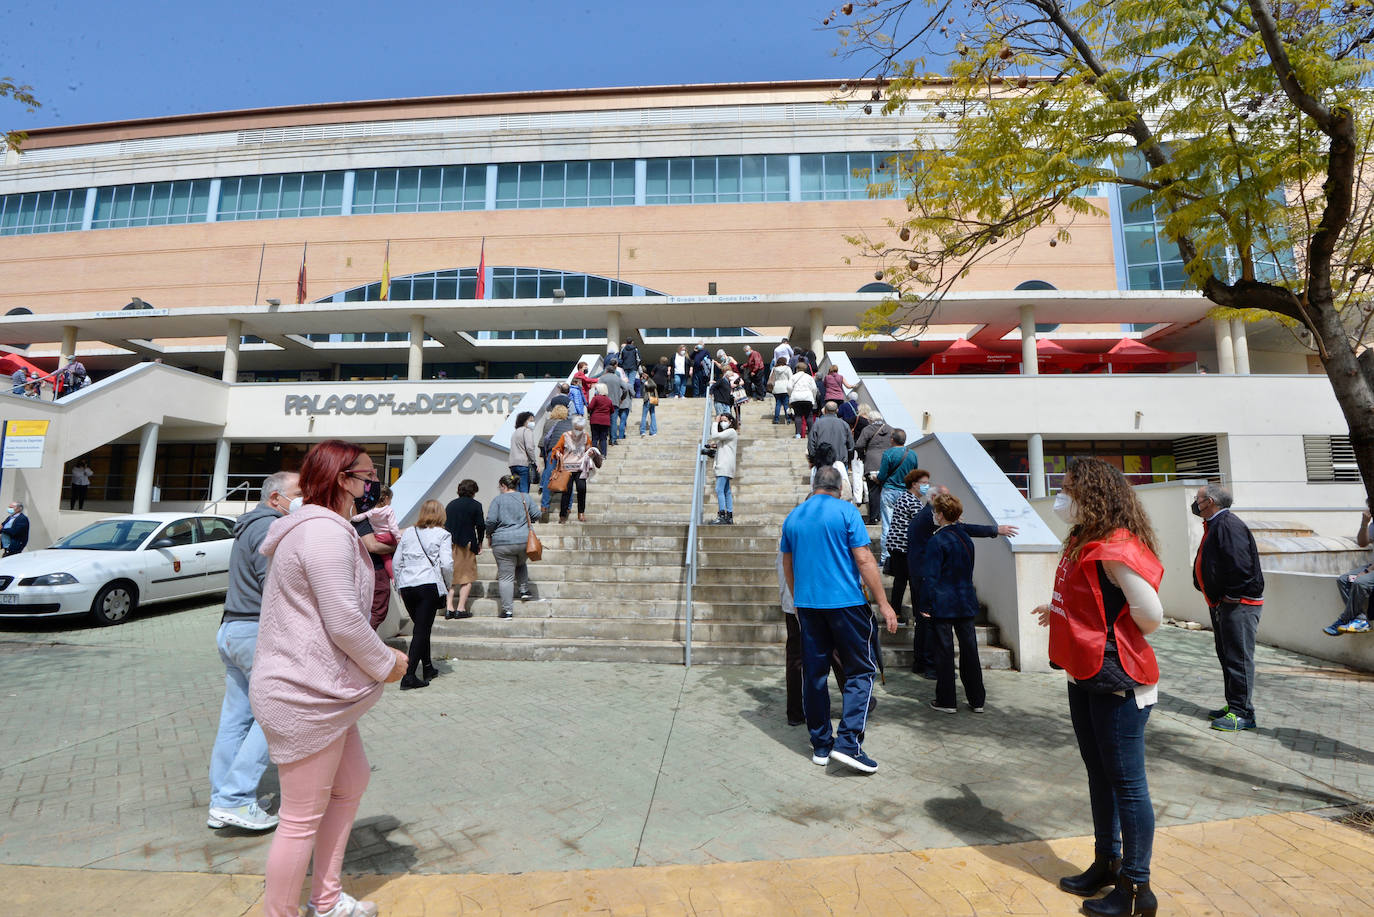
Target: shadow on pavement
x,y
371,851
980,826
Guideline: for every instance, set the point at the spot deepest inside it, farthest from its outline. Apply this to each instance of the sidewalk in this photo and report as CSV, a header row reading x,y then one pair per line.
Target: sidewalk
x,y
573,772
1256,866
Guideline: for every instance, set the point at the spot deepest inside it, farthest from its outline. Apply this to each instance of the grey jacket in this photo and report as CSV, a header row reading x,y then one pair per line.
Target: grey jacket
x,y
509,517
524,446
612,383
877,439
248,568
834,431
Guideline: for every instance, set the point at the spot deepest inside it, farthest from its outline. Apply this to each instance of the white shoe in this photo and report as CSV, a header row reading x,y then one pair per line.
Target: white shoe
x,y
250,817
346,906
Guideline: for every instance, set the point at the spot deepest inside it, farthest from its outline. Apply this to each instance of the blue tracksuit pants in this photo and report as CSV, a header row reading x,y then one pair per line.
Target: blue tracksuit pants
x,y
850,632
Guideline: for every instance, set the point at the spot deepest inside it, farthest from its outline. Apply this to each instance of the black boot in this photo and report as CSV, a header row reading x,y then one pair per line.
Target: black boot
x,y
729,518
1102,873
1128,899
719,520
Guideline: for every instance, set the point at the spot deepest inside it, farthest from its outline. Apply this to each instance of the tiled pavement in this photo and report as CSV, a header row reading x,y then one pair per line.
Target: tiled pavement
x,y
502,768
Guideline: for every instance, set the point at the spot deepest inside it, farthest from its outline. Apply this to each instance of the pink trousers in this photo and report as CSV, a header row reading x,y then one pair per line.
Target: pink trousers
x,y
319,797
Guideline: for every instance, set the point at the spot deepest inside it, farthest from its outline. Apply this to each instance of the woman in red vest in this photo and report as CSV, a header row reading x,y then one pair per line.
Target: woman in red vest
x,y
1106,598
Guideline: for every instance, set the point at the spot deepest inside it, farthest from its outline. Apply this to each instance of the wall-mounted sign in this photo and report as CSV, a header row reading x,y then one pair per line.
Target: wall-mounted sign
x,y
432,403
24,443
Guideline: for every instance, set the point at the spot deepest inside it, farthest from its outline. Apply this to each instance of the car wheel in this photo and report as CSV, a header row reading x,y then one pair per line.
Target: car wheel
x,y
114,603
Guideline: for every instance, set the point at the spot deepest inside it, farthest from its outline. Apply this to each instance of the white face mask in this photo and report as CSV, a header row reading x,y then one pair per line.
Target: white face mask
x,y
1065,508
296,504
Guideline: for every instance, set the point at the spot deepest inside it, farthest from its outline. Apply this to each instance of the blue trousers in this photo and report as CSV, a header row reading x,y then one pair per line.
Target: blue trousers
x,y
648,418
848,632
239,757
618,423
545,498
522,472
725,499
1111,738
679,385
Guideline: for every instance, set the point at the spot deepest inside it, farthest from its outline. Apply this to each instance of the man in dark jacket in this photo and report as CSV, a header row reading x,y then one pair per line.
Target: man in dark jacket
x,y
701,370
15,529
875,439
240,754
918,533
1227,573
829,442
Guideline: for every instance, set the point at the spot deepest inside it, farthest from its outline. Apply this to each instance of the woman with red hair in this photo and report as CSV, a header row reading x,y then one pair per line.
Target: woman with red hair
x,y
319,666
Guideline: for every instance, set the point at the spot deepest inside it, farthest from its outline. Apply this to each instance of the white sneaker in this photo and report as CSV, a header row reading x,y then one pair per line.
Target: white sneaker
x,y
346,906
250,817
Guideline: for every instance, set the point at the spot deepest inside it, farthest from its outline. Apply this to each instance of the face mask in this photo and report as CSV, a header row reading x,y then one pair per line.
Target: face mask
x,y
372,492
1194,507
9,510
1065,508
296,504
924,489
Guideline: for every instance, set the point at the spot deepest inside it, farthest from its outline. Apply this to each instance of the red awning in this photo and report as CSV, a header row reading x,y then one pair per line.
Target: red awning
x,y
964,355
1055,357
1128,351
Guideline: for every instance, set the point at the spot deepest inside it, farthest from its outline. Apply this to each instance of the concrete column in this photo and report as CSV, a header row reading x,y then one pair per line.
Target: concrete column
x,y
410,450
612,331
68,346
219,478
1226,351
1030,358
147,461
417,348
232,337
1035,464
818,333
1240,344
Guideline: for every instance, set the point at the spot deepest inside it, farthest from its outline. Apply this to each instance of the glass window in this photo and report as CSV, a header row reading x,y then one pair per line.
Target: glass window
x,y
407,190
655,183
553,190
43,211
507,186
153,204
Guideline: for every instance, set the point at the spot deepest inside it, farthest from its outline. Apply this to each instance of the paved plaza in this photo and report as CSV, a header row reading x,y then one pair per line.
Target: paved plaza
x,y
573,772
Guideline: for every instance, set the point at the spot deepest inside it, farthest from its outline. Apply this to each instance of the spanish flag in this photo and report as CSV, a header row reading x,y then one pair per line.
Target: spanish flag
x,y
386,273
482,272
300,277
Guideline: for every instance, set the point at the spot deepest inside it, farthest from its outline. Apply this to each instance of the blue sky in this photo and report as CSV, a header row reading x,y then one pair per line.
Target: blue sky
x,y
101,61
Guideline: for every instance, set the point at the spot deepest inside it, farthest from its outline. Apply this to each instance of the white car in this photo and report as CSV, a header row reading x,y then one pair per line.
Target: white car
x,y
108,568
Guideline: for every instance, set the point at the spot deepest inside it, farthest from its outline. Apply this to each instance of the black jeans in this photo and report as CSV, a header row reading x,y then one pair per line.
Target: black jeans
x,y
899,573
1233,630
944,631
601,436
922,656
78,496
422,603
1111,738
580,484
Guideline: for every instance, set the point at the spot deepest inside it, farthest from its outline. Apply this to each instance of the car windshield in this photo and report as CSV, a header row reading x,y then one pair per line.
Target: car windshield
x,y
111,535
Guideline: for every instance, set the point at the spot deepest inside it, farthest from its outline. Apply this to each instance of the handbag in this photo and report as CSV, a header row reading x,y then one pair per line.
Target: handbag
x,y
653,399
559,480
534,548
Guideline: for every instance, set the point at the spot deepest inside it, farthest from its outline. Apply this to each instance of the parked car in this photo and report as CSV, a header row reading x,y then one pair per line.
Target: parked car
x,y
112,566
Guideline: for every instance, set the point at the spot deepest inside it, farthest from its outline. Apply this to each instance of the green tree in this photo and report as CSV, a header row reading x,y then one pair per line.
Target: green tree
x,y
23,95
1244,124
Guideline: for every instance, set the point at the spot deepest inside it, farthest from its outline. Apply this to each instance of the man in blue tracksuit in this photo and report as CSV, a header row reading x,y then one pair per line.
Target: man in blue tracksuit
x,y
825,554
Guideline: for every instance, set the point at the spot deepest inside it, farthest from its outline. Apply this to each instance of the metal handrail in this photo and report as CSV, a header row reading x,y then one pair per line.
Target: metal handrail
x,y
244,486
698,478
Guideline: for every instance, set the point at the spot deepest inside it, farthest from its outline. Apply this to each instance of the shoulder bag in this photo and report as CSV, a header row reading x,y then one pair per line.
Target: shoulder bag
x,y
534,548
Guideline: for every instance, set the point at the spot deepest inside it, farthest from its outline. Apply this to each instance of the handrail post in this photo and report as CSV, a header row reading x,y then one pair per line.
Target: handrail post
x,y
694,520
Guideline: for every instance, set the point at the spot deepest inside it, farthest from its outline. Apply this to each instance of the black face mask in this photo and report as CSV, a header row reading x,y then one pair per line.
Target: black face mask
x,y
1194,508
372,492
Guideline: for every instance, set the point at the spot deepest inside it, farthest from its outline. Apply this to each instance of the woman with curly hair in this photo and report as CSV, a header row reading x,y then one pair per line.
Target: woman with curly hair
x,y
1106,599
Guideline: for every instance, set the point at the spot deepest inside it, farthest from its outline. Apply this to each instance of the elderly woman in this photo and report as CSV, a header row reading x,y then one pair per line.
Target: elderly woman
x,y
918,489
1106,599
424,565
601,411
508,530
578,458
318,667
948,599
524,450
802,397
780,384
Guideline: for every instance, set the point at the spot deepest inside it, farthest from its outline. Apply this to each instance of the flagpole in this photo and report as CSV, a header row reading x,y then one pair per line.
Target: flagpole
x,y
258,289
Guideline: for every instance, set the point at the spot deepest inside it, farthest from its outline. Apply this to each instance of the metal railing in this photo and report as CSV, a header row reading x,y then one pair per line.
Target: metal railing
x,y
242,486
698,479
1053,480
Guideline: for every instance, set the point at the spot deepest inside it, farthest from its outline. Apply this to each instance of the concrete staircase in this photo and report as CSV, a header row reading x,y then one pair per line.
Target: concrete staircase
x,y
613,588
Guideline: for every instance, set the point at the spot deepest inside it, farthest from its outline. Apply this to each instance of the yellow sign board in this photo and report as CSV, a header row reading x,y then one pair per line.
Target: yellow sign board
x,y
26,428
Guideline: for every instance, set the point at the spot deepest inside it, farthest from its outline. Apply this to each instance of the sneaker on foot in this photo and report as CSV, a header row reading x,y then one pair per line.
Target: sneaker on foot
x,y
1232,723
212,822
975,709
1219,712
820,757
1333,629
346,906
857,761
249,817
936,706
1357,626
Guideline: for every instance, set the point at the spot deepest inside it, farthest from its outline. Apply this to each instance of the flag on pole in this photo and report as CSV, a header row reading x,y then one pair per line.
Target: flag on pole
x,y
482,272
300,278
386,273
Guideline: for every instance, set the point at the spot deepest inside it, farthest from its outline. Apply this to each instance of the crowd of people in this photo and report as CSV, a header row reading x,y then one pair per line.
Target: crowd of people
x,y
29,383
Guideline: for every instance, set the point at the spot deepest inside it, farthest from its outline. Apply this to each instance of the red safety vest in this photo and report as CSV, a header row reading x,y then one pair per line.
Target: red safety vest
x,y
1078,623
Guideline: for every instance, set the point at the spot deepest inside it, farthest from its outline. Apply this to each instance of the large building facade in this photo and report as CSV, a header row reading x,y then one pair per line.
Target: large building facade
x,y
670,215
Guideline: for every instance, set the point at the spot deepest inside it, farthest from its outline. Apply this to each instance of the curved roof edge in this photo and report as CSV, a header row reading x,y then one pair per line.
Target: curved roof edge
x,y
381,109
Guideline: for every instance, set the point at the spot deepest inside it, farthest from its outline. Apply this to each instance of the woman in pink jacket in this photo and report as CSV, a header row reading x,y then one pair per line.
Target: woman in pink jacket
x,y
319,666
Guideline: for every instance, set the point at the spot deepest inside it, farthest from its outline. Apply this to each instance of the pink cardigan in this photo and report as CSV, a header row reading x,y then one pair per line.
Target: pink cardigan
x,y
319,664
